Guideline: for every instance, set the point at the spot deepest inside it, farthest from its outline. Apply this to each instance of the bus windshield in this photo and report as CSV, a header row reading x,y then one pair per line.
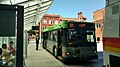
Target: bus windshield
x,y
76,36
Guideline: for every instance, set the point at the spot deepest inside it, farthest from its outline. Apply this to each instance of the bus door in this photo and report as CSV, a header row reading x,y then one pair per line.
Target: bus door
x,y
59,43
63,37
45,35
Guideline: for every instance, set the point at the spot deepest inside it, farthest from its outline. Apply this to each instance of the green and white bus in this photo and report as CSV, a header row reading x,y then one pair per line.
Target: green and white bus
x,y
70,41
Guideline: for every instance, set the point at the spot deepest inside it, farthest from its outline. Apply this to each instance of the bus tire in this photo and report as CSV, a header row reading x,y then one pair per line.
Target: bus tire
x,y
55,52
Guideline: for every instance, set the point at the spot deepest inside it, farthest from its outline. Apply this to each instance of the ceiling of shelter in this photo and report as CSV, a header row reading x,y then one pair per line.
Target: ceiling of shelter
x,y
33,10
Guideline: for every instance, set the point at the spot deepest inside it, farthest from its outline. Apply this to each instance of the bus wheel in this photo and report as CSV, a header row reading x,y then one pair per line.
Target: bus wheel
x,y
55,52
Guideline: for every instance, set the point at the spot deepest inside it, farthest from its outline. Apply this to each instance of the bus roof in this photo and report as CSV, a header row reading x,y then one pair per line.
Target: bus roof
x,y
57,26
63,24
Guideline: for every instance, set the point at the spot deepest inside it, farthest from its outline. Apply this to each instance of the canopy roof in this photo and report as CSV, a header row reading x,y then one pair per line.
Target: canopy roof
x,y
33,10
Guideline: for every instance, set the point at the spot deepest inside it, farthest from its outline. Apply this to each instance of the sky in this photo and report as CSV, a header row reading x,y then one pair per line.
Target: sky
x,y
70,8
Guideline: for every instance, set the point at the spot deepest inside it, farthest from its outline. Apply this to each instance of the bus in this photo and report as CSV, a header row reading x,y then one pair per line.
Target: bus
x,y
71,41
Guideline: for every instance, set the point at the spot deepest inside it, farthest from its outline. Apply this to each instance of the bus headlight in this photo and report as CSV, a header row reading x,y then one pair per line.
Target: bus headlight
x,y
66,53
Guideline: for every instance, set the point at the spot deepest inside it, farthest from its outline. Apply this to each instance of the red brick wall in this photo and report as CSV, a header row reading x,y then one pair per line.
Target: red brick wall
x,y
98,17
48,18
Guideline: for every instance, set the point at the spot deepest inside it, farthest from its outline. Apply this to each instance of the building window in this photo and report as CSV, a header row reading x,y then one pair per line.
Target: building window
x,y
98,25
56,21
43,27
50,21
44,21
98,38
115,9
60,21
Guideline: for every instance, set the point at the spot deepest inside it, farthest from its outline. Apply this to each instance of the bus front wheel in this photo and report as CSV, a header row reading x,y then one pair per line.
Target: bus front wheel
x,y
55,52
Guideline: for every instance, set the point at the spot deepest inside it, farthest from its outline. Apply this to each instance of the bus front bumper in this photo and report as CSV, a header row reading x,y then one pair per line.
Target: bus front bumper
x,y
79,58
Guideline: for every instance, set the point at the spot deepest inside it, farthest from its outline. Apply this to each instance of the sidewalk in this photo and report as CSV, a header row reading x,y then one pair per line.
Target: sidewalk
x,y
40,58
100,46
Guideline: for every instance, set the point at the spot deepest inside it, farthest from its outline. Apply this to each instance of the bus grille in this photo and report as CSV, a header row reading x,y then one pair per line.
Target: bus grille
x,y
84,51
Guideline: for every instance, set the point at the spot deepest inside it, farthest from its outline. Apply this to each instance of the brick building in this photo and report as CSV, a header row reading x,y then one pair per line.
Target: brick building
x,y
98,18
79,18
51,19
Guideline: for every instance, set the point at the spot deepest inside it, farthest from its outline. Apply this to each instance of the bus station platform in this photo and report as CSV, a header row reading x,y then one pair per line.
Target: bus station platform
x,y
40,58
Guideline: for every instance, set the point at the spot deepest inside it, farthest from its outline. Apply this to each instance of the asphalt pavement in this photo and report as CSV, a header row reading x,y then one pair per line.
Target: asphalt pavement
x,y
42,58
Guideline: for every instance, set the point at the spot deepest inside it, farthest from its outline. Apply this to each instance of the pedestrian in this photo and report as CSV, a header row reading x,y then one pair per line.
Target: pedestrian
x,y
37,41
6,54
11,48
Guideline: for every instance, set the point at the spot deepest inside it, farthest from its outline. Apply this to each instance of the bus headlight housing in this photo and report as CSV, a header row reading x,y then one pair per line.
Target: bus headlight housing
x,y
66,53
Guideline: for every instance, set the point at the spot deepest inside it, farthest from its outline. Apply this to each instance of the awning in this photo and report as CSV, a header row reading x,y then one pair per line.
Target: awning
x,y
33,10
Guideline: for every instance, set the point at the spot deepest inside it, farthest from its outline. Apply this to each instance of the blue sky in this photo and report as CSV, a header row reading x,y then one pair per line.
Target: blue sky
x,y
70,8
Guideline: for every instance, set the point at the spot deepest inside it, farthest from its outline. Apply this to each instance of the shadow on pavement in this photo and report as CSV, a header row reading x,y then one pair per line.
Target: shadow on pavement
x,y
92,63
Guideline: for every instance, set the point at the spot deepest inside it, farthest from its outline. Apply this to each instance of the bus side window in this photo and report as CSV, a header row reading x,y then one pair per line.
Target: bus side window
x,y
49,35
63,36
46,35
54,35
61,32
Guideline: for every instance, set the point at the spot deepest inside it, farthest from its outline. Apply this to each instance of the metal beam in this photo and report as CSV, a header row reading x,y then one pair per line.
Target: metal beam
x,y
31,6
46,1
31,11
29,20
29,15
22,2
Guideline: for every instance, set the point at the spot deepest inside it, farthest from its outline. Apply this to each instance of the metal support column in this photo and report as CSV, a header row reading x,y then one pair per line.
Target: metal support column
x,y
20,23
26,43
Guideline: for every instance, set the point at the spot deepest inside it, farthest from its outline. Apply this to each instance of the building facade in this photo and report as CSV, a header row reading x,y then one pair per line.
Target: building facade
x,y
98,18
80,18
51,19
